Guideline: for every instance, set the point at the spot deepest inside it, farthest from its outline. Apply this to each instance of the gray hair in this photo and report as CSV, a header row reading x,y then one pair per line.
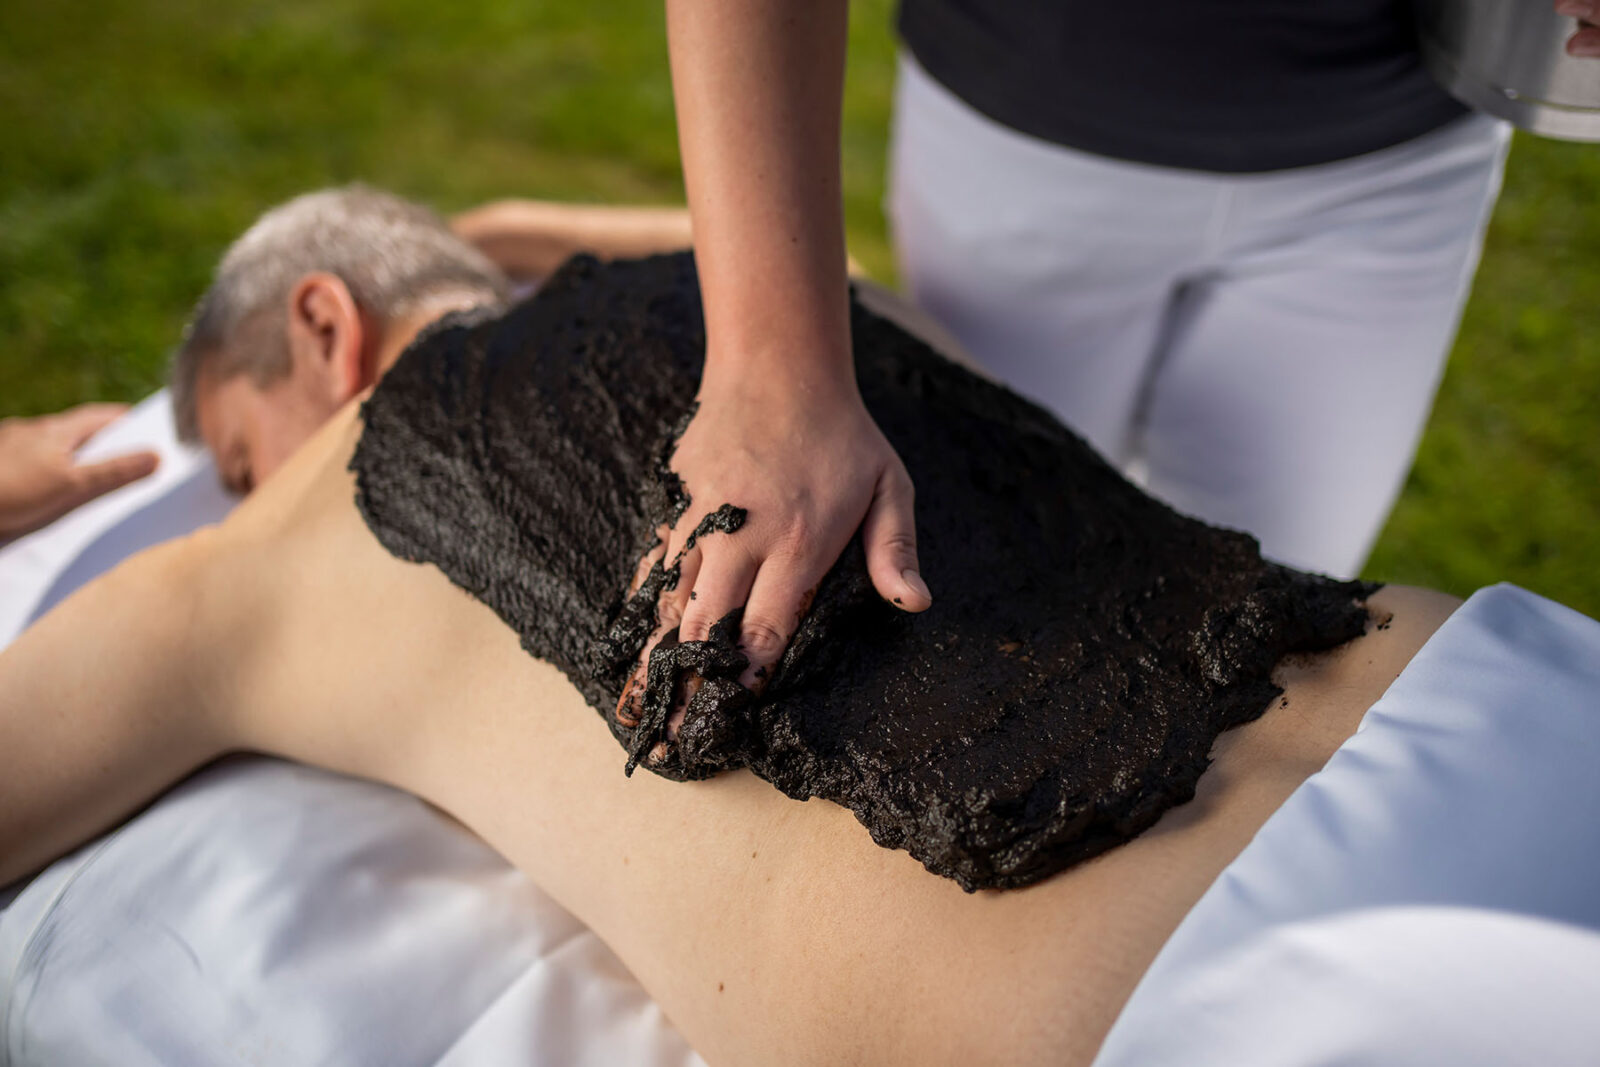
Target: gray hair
x,y
396,257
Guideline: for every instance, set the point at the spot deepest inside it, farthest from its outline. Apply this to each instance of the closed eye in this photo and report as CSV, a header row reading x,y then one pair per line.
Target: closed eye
x,y
235,473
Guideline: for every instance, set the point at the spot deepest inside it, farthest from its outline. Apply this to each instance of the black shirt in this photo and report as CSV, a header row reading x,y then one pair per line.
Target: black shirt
x,y
1218,85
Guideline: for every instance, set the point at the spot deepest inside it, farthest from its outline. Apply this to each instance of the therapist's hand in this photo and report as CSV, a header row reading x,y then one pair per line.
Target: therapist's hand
x,y
40,478
809,466
1586,41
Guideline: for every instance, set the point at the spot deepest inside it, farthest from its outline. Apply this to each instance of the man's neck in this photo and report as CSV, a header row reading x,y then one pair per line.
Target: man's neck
x,y
397,334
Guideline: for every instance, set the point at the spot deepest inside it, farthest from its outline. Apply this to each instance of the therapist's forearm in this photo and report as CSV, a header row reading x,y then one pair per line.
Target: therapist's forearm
x,y
759,88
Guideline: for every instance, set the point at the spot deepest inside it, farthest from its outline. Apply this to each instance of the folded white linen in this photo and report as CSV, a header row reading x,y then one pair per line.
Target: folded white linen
x,y
1432,895
270,914
266,913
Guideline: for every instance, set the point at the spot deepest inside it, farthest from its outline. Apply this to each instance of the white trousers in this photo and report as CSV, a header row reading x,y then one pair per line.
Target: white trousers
x,y
1261,350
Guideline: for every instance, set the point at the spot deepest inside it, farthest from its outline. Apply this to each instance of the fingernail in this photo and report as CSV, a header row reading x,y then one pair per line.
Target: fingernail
x,y
631,705
914,581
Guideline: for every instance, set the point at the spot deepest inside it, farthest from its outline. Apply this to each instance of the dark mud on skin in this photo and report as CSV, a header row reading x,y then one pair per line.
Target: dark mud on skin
x,y
1086,644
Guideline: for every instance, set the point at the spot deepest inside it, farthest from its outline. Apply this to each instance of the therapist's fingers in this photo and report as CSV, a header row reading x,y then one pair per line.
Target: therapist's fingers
x,y
630,702
69,487
675,601
687,688
630,705
90,480
1585,44
669,614
777,604
721,586
648,561
889,535
77,424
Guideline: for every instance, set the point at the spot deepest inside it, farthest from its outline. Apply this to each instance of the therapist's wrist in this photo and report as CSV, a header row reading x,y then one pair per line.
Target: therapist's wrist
x,y
799,334
821,368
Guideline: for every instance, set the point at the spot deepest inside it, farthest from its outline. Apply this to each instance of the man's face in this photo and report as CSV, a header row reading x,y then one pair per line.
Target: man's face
x,y
334,349
251,429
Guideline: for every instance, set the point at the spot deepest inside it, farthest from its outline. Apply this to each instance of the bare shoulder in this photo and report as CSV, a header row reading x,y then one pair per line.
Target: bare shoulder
x,y
279,574
332,651
312,482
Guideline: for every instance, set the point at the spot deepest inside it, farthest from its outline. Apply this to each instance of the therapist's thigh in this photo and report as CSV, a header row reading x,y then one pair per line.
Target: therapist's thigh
x,y
1054,268
1301,372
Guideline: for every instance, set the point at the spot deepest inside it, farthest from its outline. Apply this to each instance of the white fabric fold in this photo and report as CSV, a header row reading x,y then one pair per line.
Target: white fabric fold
x,y
1432,895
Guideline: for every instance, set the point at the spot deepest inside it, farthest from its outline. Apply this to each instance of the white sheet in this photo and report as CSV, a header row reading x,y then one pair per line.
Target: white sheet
x,y
1432,896
266,913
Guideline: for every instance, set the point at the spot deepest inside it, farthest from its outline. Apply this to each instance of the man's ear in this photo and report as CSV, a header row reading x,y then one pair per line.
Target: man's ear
x,y
329,337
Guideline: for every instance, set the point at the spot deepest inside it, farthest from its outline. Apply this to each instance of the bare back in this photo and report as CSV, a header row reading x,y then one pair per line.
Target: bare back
x,y
769,930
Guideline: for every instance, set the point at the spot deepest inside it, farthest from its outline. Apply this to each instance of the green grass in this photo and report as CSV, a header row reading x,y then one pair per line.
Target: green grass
x,y
1506,485
137,138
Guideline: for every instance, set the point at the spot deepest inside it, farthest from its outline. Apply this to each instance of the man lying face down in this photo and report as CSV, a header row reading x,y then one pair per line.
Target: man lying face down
x,y
492,444
1094,641
1089,647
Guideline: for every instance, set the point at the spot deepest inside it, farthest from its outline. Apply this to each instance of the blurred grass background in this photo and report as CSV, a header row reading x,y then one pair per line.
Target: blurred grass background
x,y
138,137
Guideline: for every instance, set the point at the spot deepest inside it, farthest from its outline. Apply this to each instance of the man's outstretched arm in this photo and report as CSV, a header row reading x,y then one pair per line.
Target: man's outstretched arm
x,y
101,707
529,239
